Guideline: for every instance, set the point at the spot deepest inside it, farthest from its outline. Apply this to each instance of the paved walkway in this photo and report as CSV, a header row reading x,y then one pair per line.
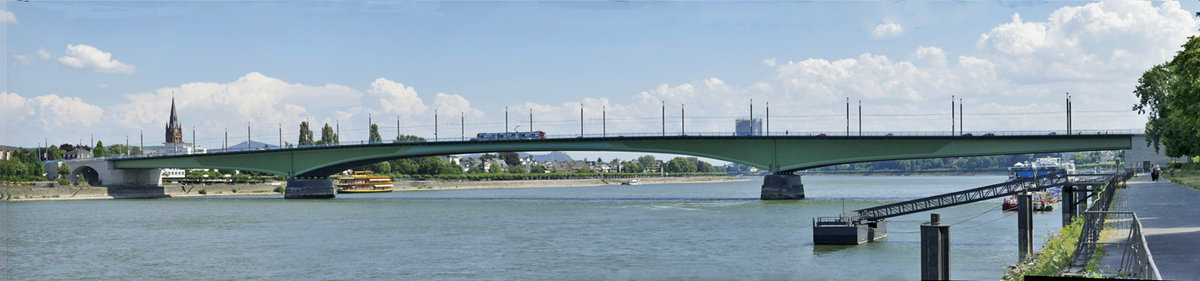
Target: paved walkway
x,y
1170,215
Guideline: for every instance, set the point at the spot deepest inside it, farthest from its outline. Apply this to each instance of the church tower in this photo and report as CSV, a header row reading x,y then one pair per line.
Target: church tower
x,y
174,131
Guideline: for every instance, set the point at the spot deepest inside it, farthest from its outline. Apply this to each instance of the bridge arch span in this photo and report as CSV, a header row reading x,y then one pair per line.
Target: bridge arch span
x,y
88,174
774,153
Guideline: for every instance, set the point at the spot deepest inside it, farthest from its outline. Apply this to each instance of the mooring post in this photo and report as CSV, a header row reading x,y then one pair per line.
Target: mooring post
x,y
1068,204
1024,225
935,249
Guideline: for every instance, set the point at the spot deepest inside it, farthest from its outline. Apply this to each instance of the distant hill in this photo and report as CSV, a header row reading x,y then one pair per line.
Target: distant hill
x,y
254,145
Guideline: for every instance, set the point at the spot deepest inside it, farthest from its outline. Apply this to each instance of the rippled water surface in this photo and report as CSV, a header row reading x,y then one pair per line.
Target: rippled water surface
x,y
667,231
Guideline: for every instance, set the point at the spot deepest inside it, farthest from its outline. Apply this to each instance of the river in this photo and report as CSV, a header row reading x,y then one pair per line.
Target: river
x,y
711,231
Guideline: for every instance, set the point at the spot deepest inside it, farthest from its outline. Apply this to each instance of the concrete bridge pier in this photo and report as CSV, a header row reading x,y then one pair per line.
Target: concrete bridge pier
x,y
782,186
309,189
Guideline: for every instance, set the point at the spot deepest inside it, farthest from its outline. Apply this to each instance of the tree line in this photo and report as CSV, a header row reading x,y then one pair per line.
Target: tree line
x,y
1169,94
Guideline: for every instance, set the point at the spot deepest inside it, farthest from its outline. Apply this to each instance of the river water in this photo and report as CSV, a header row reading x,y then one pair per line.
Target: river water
x,y
711,231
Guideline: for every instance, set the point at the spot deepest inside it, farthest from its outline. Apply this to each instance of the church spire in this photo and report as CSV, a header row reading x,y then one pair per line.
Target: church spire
x,y
174,130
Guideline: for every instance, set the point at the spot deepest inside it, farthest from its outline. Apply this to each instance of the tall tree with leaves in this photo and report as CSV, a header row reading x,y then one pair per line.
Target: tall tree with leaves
x,y
1170,94
306,134
99,150
375,138
328,136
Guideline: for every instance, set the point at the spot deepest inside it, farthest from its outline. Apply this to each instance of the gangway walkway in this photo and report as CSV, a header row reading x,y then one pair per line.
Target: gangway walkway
x,y
863,225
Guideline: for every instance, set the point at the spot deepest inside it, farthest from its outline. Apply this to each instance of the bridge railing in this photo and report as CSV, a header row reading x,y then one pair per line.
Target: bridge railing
x,y
785,133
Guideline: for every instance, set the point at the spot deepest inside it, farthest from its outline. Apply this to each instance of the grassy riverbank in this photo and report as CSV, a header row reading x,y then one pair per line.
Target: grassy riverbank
x,y
1189,178
1052,258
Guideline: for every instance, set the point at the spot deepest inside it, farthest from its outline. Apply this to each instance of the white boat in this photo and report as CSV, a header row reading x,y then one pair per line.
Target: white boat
x,y
632,182
1044,166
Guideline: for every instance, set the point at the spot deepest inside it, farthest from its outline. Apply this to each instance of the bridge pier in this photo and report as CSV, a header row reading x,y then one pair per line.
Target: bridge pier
x,y
309,189
935,249
782,186
1068,203
1024,225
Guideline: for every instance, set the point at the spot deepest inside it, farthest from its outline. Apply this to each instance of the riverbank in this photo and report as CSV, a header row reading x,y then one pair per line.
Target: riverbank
x,y
36,193
892,174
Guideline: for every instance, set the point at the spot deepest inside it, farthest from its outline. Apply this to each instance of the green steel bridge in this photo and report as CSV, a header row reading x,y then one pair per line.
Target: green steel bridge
x,y
780,154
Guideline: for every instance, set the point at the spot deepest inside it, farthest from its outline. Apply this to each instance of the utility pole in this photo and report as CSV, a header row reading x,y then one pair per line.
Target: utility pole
x,y
604,121
682,120
664,117
435,131
860,118
337,132
505,119
462,124
751,117
531,120
960,116
248,139
581,119
194,139
126,145
397,127
281,135
225,146
768,118
1068,113
847,116
952,115
141,142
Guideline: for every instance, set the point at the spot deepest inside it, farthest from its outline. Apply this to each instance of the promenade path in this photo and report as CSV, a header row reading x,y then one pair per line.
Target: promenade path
x,y
1170,215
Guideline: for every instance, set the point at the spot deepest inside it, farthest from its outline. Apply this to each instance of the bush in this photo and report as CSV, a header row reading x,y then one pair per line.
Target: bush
x,y
203,191
279,189
64,182
234,190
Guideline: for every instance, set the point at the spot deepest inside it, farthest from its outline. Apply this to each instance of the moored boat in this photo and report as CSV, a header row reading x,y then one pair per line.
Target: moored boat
x,y
363,182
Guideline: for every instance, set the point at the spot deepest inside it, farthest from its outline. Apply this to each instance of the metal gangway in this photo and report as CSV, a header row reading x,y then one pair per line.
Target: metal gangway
x,y
1057,179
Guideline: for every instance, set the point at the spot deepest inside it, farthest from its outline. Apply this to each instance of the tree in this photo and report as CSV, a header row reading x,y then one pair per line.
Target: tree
x,y
1170,94
631,167
537,169
375,138
646,161
99,150
511,158
306,135
328,136
382,167
518,169
63,170
475,170
495,168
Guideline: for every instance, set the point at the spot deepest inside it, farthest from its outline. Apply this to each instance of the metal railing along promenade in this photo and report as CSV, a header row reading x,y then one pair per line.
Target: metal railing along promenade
x,y
1136,260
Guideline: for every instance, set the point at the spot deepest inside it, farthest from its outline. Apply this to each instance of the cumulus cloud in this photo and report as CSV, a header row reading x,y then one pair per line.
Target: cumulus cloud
x,y
887,30
7,17
1096,41
42,53
48,113
87,57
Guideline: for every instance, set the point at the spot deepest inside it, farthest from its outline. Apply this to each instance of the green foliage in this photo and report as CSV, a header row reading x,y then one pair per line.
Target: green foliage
x,y
99,150
306,134
646,161
1170,96
516,169
495,168
631,167
1054,256
410,138
537,169
63,170
375,138
511,158
203,191
64,182
475,170
279,189
328,136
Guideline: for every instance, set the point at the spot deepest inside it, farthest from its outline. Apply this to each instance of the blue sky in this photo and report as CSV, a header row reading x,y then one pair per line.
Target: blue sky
x,y
108,69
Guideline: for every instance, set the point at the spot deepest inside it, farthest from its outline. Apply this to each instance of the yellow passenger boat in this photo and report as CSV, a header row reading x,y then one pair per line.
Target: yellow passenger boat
x,y
361,182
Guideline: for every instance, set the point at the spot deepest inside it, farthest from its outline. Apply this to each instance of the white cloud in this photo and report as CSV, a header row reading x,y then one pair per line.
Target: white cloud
x,y
769,62
42,53
22,60
887,30
7,17
87,57
397,99
22,117
1096,41
102,86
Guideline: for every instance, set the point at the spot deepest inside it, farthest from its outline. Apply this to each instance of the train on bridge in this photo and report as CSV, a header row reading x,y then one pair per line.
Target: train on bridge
x,y
534,135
